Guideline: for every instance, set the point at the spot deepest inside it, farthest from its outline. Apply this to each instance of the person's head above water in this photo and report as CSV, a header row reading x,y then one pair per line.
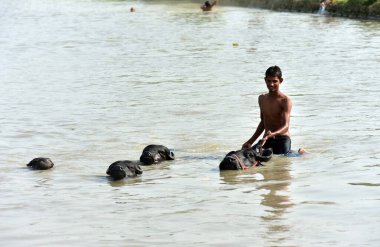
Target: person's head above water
x,y
274,71
273,79
207,6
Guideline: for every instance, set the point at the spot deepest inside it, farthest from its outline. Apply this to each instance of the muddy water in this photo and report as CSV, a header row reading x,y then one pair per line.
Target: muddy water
x,y
87,83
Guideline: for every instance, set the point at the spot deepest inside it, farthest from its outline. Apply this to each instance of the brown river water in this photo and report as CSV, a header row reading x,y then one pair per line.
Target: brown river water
x,y
87,83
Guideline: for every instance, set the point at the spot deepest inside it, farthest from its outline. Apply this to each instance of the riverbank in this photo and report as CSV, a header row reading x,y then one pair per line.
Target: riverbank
x,y
364,9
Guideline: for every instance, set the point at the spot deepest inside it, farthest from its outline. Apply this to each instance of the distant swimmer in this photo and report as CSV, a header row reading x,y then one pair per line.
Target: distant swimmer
x,y
275,108
207,6
132,9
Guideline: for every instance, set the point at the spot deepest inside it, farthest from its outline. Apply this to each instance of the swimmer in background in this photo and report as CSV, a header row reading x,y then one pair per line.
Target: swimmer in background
x,y
207,6
322,7
132,9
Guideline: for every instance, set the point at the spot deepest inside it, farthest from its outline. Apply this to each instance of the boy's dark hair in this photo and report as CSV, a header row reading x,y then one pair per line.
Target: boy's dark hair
x,y
273,71
207,3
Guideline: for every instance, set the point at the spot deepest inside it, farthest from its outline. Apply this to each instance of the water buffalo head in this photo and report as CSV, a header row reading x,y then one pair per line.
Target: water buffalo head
x,y
122,168
156,153
243,159
40,163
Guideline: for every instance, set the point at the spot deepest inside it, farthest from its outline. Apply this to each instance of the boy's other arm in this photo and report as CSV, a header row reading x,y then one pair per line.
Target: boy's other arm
x,y
260,128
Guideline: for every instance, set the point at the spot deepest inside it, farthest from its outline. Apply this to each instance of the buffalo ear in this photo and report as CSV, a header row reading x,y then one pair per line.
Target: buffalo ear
x,y
170,155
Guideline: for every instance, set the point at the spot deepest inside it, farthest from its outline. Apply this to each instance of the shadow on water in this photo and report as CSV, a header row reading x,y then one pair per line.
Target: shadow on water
x,y
273,180
121,182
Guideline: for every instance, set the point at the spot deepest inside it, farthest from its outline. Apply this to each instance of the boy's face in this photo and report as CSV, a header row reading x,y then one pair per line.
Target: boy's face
x,y
273,83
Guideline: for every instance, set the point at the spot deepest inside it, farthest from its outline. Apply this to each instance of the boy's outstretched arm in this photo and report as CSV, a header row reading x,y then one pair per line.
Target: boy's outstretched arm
x,y
259,130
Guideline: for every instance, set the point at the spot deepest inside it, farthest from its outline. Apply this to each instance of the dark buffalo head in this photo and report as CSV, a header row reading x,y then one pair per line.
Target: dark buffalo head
x,y
237,160
122,168
156,153
40,163
242,159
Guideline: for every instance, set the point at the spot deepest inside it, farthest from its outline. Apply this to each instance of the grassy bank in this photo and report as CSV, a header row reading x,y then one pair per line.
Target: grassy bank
x,y
355,8
345,8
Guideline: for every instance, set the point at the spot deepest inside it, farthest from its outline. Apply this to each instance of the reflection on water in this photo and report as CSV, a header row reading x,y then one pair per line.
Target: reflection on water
x,y
87,83
272,184
277,199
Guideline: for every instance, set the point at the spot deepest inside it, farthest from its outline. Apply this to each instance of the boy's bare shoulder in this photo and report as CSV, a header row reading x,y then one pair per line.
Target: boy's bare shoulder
x,y
286,101
286,98
261,96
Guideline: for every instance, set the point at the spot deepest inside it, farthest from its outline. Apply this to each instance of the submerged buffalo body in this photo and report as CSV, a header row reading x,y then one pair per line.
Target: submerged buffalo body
x,y
243,159
40,163
150,155
153,154
122,168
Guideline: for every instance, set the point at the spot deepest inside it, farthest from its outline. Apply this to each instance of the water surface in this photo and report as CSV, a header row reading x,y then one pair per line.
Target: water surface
x,y
87,83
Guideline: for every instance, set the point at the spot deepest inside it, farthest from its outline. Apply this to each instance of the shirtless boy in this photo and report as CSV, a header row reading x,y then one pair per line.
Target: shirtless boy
x,y
275,108
207,6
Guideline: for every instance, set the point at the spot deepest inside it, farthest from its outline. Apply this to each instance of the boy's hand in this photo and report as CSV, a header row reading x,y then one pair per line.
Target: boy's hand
x,y
261,144
267,136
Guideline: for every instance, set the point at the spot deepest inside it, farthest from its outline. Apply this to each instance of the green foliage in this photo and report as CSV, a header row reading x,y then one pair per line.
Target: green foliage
x,y
360,2
356,3
346,8
339,1
369,2
374,10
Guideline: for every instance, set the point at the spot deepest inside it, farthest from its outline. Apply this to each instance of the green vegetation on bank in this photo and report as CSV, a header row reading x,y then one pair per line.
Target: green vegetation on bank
x,y
345,8
355,8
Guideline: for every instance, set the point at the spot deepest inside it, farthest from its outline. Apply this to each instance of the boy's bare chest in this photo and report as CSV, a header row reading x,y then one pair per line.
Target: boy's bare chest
x,y
271,108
